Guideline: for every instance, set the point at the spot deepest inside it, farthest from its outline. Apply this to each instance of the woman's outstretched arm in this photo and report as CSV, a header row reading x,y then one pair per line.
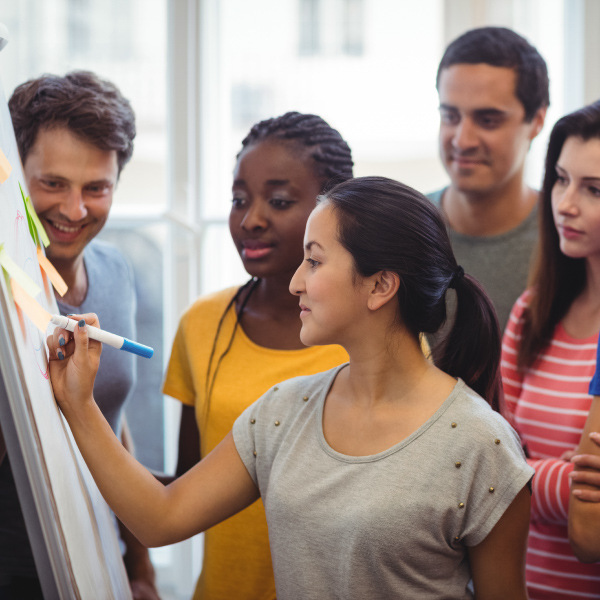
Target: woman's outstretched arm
x,y
216,488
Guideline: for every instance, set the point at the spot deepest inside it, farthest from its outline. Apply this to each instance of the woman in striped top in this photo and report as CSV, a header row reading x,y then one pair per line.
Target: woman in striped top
x,y
549,351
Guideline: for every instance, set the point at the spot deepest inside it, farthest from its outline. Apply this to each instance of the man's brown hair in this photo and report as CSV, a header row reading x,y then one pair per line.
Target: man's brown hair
x,y
91,108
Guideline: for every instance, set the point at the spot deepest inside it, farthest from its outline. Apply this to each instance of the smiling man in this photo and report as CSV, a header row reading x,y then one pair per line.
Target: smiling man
x,y
75,134
493,91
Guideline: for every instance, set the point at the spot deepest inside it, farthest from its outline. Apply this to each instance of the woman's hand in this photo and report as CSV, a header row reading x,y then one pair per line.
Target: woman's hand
x,y
587,471
74,361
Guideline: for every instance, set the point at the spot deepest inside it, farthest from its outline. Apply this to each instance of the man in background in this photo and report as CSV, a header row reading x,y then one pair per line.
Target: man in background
x,y
75,134
493,90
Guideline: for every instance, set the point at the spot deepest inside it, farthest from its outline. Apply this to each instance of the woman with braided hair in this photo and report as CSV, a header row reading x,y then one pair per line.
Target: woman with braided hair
x,y
384,477
232,346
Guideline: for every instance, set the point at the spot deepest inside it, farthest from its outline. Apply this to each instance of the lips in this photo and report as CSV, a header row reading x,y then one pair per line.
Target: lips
x,y
64,232
570,233
256,249
466,161
304,310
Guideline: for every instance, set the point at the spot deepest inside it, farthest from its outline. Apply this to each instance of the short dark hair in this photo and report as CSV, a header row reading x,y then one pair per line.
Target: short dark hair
x,y
91,108
556,279
332,158
388,226
502,47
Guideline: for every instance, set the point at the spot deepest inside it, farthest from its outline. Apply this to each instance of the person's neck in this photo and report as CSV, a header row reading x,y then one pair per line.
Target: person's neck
x,y
491,214
74,275
385,368
272,295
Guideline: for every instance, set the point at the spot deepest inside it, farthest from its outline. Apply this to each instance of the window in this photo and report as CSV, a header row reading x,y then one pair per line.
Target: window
x,y
331,27
309,27
353,27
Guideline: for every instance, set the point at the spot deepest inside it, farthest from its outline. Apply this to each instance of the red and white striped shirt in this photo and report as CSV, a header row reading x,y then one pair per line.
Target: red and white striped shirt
x,y
548,404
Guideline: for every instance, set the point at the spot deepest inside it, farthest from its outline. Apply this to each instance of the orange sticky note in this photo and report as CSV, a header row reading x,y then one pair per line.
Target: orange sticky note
x,y
39,316
5,167
53,275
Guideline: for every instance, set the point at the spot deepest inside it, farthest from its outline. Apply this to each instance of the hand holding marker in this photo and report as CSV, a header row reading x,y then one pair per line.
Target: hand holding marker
x,y
116,341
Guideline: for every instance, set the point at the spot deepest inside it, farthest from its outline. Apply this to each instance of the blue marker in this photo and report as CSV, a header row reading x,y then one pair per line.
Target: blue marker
x,y
116,341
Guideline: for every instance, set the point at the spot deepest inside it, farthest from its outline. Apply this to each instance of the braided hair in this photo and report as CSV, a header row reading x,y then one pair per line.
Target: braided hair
x,y
331,154
332,162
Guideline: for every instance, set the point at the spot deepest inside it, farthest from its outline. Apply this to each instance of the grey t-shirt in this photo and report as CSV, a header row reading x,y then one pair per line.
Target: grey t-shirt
x,y
500,262
111,295
393,525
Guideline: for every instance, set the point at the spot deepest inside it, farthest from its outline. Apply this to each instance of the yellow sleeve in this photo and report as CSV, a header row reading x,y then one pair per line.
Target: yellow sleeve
x,y
179,381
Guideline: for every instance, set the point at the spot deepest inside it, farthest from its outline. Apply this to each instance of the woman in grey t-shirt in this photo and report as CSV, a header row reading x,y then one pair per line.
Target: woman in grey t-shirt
x,y
383,478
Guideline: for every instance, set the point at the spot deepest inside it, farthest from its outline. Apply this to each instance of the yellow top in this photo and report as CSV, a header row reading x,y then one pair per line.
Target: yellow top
x,y
237,560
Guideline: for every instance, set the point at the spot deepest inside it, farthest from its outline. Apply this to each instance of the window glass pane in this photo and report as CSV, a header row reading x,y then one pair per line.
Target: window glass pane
x,y
353,22
123,41
382,98
309,27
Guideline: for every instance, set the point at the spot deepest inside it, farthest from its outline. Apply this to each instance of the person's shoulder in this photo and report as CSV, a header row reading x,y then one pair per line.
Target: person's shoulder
x,y
296,398
210,306
105,259
101,250
215,299
521,305
483,424
303,390
308,384
436,196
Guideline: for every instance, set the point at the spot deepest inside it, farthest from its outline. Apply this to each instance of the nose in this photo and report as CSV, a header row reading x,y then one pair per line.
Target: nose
x,y
567,201
464,136
255,217
73,206
297,281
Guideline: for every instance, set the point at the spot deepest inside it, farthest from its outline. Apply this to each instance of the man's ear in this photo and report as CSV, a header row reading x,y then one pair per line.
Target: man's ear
x,y
384,288
537,123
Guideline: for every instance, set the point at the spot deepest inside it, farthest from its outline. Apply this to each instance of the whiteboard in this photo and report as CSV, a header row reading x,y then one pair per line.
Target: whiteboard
x,y
72,533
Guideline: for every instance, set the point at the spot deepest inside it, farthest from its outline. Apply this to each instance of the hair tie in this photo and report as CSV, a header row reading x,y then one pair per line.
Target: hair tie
x,y
458,274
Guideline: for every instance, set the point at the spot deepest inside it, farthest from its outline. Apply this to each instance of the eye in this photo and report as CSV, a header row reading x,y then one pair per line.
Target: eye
x,y
51,185
98,189
280,203
312,262
594,190
561,179
490,121
238,201
449,117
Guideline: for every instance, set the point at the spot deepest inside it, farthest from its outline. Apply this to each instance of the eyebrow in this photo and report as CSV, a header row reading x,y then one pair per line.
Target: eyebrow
x,y
557,167
478,111
489,112
312,243
269,182
51,175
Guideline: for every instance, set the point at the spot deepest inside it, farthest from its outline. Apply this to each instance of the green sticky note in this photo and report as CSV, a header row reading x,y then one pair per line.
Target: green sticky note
x,y
30,223
14,271
35,226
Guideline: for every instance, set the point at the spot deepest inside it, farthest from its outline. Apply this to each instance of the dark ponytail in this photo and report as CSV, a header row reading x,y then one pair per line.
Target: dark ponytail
x,y
386,225
471,350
